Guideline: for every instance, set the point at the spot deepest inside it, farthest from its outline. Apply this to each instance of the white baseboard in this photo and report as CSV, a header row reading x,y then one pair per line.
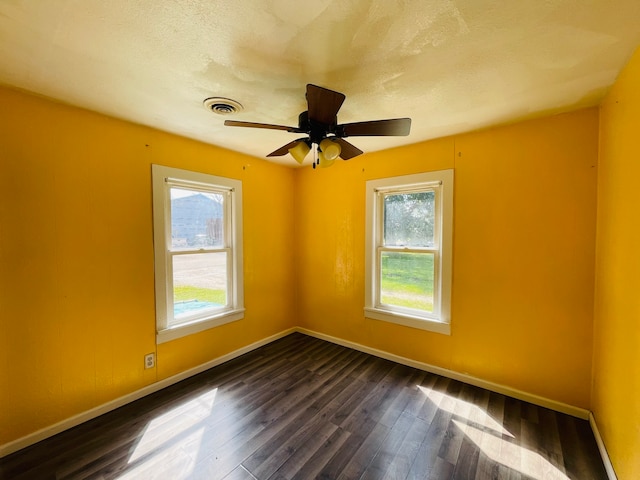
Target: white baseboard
x,y
494,387
71,422
608,466
47,432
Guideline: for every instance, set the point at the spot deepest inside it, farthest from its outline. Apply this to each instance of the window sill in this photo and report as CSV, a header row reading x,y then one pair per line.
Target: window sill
x,y
409,321
178,331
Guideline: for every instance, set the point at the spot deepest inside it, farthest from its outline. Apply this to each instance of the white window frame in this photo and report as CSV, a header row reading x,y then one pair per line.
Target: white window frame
x,y
163,178
441,182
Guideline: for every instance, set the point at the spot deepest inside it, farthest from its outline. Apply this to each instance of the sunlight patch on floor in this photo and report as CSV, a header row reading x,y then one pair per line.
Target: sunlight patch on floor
x,y
513,456
166,436
172,462
461,408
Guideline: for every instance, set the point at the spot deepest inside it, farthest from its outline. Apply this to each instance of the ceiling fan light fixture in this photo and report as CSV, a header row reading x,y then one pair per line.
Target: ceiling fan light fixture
x,y
323,161
330,149
299,151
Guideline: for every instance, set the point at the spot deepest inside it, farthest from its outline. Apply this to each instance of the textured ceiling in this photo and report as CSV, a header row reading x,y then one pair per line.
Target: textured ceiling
x,y
451,66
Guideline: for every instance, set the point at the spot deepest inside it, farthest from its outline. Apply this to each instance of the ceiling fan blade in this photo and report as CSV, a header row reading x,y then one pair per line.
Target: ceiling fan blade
x,y
323,104
391,127
283,150
347,150
234,123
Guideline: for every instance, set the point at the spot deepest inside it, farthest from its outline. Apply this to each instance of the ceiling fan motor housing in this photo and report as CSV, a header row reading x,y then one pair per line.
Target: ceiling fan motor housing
x,y
317,131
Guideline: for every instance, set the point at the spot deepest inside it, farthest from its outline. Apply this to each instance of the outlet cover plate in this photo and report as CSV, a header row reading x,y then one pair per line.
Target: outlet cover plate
x,y
150,360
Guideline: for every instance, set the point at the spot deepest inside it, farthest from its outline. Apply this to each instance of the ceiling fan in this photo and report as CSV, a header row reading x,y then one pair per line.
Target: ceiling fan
x,y
320,125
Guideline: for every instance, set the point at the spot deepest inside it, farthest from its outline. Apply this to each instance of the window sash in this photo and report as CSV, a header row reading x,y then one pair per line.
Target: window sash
x,y
381,195
441,183
227,213
171,251
201,313
378,303
169,326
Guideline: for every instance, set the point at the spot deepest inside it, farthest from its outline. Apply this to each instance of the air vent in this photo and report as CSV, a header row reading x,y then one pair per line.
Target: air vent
x,y
222,106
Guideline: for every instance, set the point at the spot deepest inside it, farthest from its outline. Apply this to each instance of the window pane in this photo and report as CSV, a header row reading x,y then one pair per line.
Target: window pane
x,y
196,219
199,283
409,219
406,280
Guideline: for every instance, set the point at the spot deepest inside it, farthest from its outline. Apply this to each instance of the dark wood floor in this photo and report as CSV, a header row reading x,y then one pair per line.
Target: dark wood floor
x,y
303,408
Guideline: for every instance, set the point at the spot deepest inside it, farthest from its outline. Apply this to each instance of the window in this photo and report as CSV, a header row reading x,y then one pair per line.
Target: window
x,y
409,250
198,251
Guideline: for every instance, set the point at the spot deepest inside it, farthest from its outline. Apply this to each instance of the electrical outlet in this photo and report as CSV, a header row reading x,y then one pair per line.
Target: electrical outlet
x,y
150,360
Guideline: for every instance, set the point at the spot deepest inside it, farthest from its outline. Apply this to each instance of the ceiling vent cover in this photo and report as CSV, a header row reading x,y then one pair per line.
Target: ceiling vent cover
x,y
222,106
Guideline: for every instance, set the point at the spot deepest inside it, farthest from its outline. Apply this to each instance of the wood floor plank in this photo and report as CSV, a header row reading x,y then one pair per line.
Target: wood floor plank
x,y
580,455
294,451
266,460
302,408
400,465
427,455
367,449
239,473
452,441
382,461
337,462
311,452
467,462
315,464
378,398
307,407
274,419
441,470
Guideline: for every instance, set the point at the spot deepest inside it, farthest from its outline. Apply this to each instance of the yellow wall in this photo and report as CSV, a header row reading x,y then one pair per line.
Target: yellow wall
x,y
76,256
76,259
524,241
616,372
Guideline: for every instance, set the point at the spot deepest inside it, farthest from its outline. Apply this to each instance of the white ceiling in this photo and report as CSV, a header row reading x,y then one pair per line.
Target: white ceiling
x,y
450,65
